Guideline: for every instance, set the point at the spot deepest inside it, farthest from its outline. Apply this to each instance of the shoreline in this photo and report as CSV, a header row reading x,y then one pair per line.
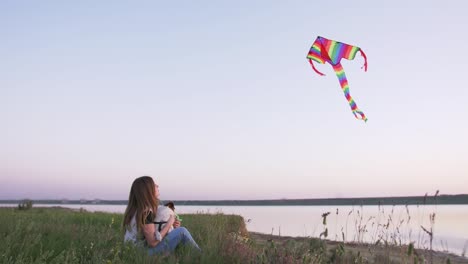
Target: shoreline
x,y
438,199
366,250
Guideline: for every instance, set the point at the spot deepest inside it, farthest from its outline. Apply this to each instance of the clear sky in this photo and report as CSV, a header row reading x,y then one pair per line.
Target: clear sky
x,y
216,100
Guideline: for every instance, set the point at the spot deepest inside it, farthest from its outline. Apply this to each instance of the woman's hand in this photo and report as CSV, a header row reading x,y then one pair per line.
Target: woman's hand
x,y
176,223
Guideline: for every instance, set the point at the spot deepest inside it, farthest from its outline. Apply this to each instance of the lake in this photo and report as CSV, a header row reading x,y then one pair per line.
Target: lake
x,y
395,224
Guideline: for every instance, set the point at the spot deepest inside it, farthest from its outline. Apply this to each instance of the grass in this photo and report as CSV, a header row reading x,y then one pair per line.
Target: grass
x,y
58,235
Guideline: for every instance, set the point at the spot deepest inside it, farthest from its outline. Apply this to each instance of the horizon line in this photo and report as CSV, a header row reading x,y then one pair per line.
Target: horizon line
x,y
228,200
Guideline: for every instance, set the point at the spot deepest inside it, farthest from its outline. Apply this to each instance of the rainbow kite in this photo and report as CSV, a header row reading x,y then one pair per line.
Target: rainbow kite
x,y
326,50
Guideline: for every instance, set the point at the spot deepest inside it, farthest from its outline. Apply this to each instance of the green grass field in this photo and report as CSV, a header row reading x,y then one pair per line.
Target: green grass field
x,y
58,235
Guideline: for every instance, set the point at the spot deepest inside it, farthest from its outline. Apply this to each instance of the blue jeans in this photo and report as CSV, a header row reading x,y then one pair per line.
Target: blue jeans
x,y
178,236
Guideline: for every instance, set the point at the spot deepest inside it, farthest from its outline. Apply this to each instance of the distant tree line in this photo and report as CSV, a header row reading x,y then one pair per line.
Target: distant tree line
x,y
408,200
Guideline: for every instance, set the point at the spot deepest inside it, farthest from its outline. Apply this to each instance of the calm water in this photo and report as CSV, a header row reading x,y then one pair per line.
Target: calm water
x,y
349,223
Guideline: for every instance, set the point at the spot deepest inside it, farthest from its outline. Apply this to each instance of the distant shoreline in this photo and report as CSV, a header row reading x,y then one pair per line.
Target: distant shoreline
x,y
458,199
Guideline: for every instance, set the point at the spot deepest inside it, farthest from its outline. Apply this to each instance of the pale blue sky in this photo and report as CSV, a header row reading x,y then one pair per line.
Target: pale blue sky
x,y
216,100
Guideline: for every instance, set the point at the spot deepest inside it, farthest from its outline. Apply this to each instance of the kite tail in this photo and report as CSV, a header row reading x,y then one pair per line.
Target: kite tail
x,y
365,59
345,87
313,67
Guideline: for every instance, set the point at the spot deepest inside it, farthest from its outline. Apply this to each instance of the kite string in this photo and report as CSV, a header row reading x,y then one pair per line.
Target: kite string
x,y
345,87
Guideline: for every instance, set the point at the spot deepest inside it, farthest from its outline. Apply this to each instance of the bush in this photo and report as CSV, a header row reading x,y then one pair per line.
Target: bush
x,y
25,205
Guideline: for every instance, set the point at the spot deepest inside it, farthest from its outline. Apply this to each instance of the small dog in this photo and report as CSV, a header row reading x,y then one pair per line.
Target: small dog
x,y
171,205
163,214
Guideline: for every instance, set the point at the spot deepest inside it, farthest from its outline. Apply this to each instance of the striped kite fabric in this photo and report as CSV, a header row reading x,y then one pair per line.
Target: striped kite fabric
x,y
325,50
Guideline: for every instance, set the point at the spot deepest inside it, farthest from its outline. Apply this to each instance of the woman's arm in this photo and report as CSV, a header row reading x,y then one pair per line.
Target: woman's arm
x,y
149,231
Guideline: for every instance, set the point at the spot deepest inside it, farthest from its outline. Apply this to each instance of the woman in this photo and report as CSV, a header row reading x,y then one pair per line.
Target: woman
x,y
139,217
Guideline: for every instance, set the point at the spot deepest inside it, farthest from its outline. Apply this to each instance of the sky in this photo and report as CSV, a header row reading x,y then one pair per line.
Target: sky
x,y
216,100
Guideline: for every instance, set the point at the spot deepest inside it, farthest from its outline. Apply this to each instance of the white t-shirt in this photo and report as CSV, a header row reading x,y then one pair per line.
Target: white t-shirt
x,y
131,232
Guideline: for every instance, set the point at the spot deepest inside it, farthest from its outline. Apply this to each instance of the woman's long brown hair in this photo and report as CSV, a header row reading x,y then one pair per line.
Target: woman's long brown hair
x,y
141,201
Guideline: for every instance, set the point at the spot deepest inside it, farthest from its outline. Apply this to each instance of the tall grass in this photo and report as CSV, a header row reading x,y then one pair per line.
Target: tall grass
x,y
55,235
389,229
58,235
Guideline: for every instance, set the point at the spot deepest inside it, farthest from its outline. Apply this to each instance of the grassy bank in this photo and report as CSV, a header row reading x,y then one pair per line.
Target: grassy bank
x,y
57,235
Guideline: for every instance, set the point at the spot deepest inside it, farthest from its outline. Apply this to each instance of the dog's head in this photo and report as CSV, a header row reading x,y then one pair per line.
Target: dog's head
x,y
170,205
